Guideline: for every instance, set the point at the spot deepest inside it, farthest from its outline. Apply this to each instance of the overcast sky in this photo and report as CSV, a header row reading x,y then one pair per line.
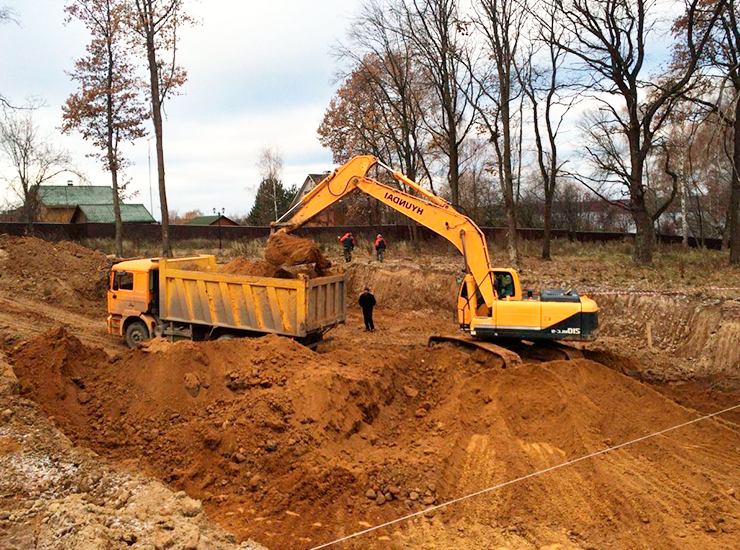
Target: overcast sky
x,y
259,73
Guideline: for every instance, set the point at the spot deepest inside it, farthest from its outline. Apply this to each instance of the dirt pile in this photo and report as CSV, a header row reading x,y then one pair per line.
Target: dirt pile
x,y
294,448
55,496
54,368
61,273
258,268
285,249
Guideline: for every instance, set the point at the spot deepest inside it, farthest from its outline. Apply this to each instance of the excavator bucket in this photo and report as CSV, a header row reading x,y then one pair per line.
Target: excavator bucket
x,y
510,358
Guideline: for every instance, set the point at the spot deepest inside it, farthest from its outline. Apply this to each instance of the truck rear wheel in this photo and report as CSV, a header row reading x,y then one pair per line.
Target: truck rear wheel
x,y
136,333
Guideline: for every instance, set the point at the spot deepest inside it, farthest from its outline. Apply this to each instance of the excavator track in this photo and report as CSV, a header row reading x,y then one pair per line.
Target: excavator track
x,y
510,358
532,351
548,351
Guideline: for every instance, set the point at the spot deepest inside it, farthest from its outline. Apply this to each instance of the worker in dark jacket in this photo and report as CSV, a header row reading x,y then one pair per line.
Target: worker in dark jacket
x,y
367,303
380,247
348,243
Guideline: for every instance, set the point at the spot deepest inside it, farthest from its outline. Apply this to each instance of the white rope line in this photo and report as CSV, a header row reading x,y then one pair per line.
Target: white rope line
x,y
522,478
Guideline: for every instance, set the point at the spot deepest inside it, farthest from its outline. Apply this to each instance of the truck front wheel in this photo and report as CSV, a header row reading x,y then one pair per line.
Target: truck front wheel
x,y
136,333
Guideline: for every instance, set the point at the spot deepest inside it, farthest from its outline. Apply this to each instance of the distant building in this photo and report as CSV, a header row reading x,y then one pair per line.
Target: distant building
x,y
85,203
211,220
103,213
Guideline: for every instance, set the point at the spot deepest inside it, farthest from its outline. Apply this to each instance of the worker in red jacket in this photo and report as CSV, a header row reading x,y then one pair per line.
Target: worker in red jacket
x,y
348,242
380,247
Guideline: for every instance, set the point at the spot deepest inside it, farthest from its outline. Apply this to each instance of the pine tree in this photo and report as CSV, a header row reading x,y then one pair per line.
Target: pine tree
x,y
270,193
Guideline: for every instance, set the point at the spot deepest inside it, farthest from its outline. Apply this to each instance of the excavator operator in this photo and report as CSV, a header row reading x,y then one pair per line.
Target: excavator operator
x,y
504,285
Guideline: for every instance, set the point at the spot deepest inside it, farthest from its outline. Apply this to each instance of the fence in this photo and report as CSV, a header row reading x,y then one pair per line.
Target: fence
x,y
153,232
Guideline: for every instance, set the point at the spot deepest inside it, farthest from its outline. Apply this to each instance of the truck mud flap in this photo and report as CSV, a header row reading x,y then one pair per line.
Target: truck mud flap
x,y
510,358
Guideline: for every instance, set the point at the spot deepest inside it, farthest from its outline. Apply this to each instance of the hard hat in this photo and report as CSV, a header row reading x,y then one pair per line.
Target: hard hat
x,y
380,236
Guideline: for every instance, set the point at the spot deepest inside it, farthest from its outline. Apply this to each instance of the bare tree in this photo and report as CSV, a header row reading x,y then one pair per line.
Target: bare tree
x,y
270,165
438,37
33,157
107,108
501,23
386,57
7,15
610,39
156,23
545,88
723,55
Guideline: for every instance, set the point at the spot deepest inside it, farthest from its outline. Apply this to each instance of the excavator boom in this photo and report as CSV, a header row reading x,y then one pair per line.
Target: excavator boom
x,y
428,209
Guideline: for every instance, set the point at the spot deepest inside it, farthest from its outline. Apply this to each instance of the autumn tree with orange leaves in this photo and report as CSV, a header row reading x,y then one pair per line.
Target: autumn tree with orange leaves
x,y
107,108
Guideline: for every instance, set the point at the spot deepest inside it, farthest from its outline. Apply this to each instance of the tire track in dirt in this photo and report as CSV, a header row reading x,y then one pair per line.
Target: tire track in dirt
x,y
25,318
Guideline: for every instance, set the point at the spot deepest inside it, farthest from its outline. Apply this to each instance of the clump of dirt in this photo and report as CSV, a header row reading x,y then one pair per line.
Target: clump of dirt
x,y
258,268
285,249
61,273
294,448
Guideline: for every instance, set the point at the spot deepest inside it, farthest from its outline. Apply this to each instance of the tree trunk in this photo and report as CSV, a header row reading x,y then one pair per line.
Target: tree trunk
x,y
30,211
548,227
112,150
511,237
157,119
117,211
454,172
735,188
645,235
684,214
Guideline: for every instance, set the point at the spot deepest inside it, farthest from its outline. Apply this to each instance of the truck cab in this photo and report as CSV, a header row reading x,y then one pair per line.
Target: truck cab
x,y
553,315
133,300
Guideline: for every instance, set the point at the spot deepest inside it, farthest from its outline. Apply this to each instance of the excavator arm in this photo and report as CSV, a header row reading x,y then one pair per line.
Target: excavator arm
x,y
427,209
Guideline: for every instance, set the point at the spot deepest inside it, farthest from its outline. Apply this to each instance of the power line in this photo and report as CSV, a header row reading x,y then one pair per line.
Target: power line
x,y
522,478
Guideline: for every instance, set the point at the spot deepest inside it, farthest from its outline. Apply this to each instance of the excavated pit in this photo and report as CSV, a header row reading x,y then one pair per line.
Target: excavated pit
x,y
294,448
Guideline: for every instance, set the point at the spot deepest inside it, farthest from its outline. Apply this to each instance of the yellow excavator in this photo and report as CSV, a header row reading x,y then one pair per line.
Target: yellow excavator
x,y
491,304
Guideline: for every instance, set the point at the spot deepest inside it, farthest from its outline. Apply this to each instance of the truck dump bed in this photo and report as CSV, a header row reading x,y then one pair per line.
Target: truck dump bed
x,y
193,291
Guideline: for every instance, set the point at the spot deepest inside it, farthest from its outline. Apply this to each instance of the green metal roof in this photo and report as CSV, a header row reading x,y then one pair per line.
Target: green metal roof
x,y
202,220
103,213
71,195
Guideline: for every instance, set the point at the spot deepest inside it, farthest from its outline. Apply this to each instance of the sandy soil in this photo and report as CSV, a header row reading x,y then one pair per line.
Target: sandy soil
x,y
293,448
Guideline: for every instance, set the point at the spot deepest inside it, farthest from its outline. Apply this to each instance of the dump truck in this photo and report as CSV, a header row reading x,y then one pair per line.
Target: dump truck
x,y
187,298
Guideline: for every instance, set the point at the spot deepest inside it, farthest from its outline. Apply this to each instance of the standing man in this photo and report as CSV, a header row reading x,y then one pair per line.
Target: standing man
x,y
367,303
348,242
380,247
